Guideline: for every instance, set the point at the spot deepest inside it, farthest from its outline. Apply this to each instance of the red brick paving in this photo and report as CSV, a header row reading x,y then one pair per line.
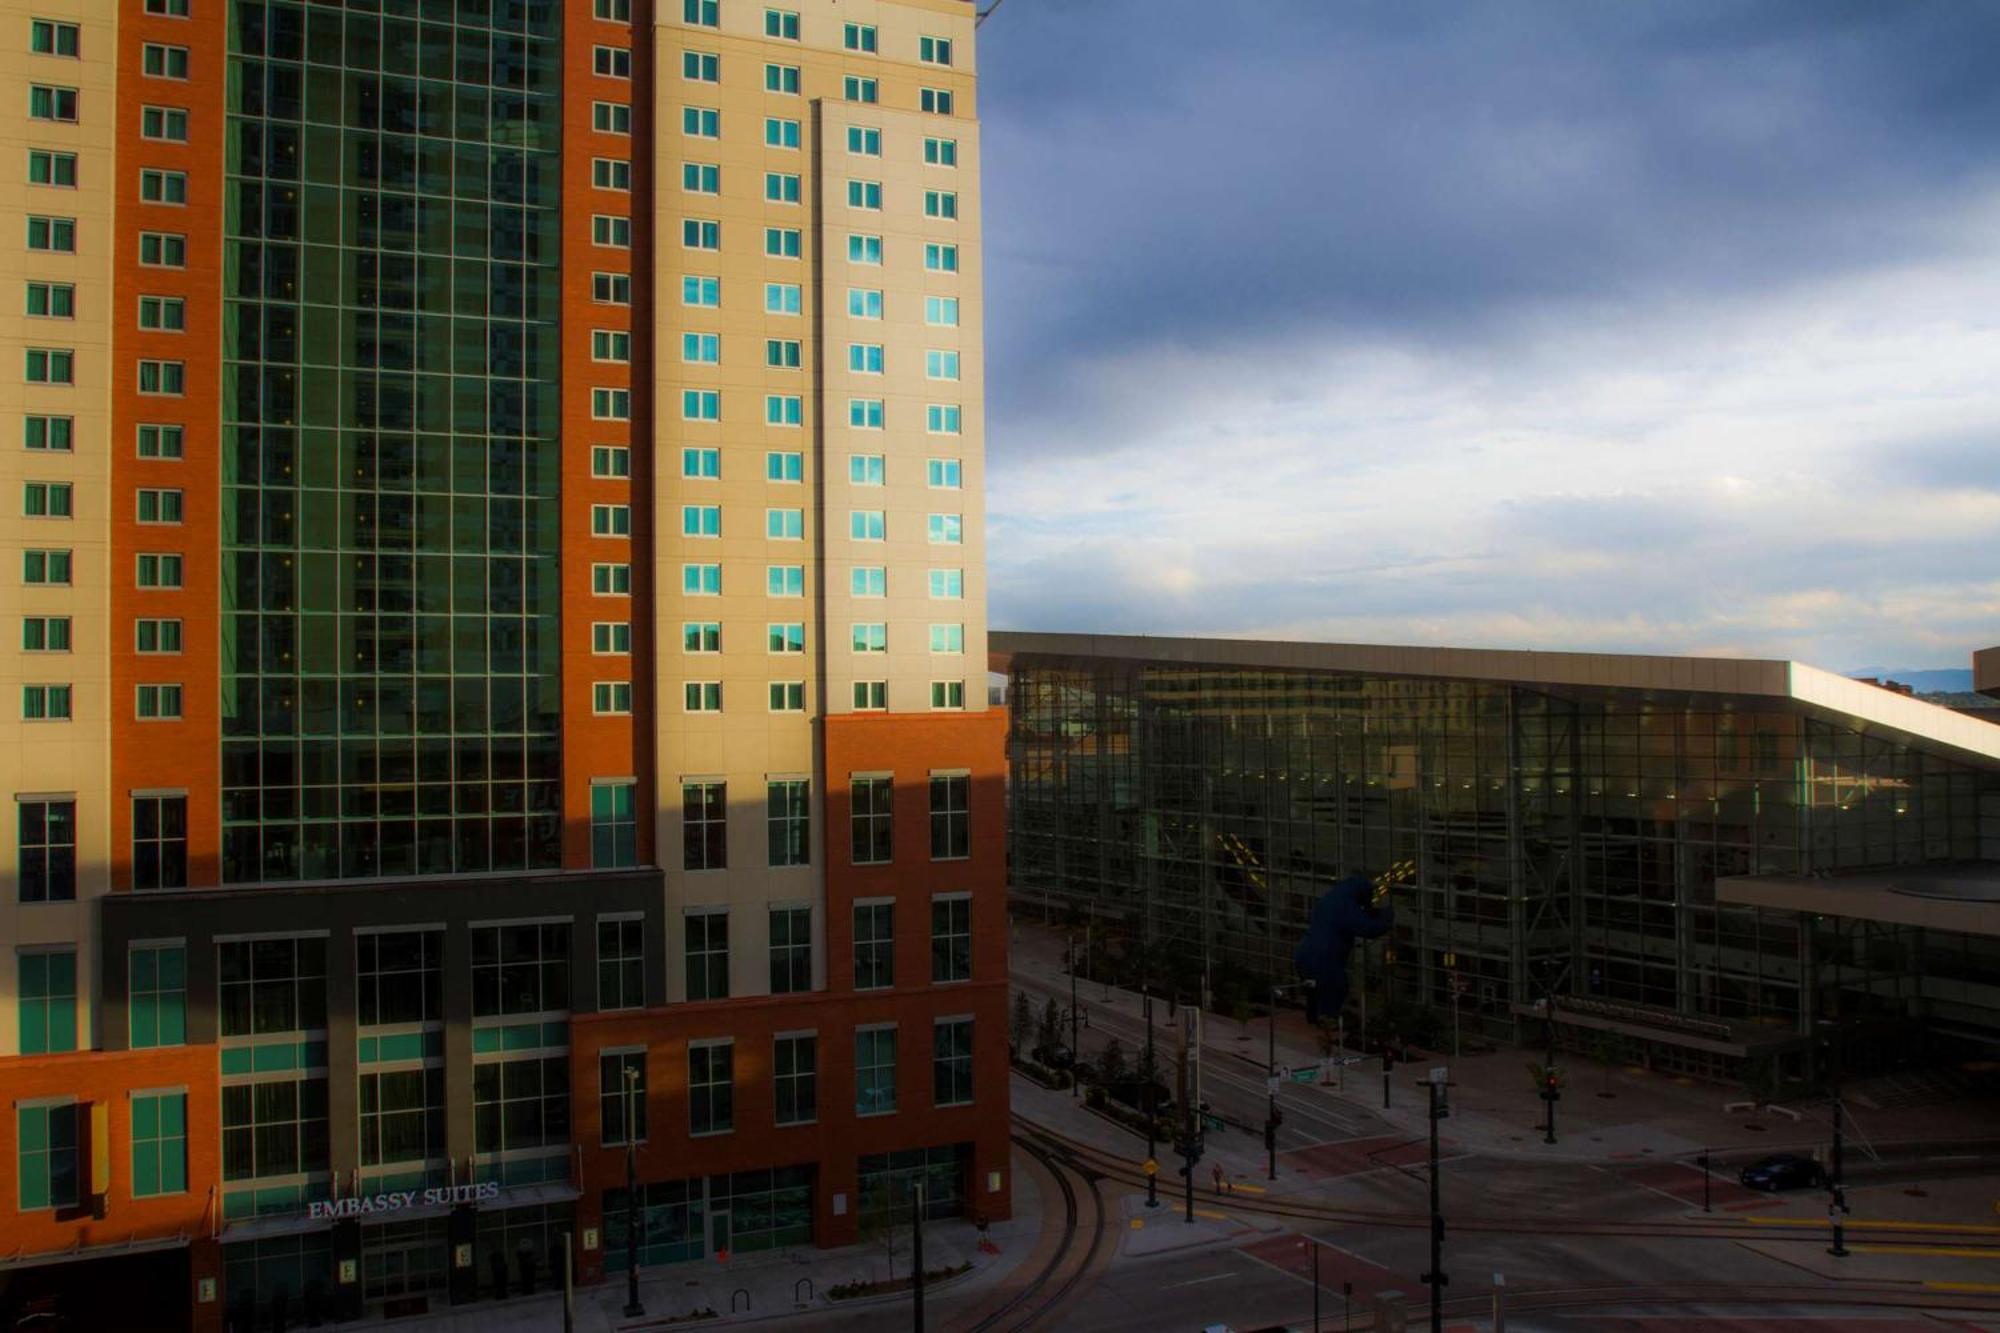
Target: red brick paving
x,y
1335,1266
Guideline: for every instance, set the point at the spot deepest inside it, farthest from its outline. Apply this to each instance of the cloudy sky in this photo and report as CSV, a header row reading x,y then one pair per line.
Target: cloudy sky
x,y
1650,327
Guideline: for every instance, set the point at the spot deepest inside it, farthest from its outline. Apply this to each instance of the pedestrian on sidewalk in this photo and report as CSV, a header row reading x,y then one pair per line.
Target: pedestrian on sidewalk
x,y
1222,1185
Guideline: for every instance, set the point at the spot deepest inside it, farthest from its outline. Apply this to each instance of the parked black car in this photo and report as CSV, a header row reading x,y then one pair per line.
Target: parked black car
x,y
1786,1171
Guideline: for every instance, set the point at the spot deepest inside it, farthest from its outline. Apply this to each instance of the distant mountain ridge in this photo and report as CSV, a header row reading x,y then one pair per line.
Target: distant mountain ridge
x,y
1942,680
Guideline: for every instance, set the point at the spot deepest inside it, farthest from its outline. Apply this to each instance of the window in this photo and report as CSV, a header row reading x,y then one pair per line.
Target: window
x,y
520,969
159,842
165,314
951,826
865,194
520,1105
612,62
611,520
268,986
45,634
869,581
871,696
47,1155
866,469
701,636
781,298
864,303
785,580
47,499
49,103
864,413
701,122
874,945
172,9
874,1070
616,1096
611,698
864,358
610,345
941,152
785,637
51,168
701,291
784,466
951,937
941,258
611,638
701,405
782,24
794,1071
613,11
611,580
941,204
701,234
621,961
402,1115
702,13
947,584
159,1144
47,37
867,525
164,62
788,696
702,696
614,823
782,353
56,435
944,474
46,855
711,1090
870,636
935,100
947,638
782,79
940,365
45,703
864,142
864,250
162,187
704,827
782,133
611,232
872,821
611,288
160,506
54,365
701,178
159,703
159,249
157,636
781,242
399,977
701,580
707,955
45,567
791,950
945,529
701,520
704,349
788,819
611,117
951,1062
858,37
54,234
167,378
169,124
54,300
784,409
156,997
785,525
611,173
47,1001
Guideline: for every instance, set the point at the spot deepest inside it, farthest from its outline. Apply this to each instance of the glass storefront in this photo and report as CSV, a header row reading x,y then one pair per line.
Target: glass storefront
x,y
691,1219
886,1180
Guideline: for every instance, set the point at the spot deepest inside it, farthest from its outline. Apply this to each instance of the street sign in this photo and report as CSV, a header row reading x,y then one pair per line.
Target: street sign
x,y
1309,1074
1213,1122
1152,1167
1440,1074
1271,1084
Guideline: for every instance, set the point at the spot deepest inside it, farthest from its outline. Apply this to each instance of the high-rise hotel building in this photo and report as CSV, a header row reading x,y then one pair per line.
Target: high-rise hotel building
x,y
496,598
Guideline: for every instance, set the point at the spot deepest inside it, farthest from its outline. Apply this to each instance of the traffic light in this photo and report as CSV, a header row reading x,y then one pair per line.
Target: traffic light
x,y
1271,1135
1551,1087
1388,1060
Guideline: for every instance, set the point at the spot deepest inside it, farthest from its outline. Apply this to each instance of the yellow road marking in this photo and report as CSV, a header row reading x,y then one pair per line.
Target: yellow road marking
x,y
1138,1224
1963,1286
1878,1224
1930,1249
1235,1186
1213,1217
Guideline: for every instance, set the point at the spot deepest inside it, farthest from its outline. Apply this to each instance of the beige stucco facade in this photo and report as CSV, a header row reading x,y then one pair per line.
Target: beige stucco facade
x,y
66,759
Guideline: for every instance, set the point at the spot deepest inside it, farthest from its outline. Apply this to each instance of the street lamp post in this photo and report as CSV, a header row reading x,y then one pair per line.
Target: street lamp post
x,y
1152,1110
1436,1278
633,1309
1075,1051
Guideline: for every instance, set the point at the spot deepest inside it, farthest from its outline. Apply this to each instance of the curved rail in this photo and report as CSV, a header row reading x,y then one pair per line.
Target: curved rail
x,y
1033,1302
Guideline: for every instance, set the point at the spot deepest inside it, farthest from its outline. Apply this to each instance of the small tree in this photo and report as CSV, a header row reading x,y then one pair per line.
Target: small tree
x,y
1022,1026
883,1222
1112,1068
1049,1033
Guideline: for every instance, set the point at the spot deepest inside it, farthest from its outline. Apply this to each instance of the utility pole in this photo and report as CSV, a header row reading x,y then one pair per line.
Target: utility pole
x,y
1315,1250
1551,1081
633,1309
1271,1087
1152,1110
1436,1278
1836,1185
1705,1154
1187,1143
1075,1051
917,1253
569,1284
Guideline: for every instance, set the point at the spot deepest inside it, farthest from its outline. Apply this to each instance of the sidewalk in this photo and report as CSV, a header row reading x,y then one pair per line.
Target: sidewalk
x,y
1619,1113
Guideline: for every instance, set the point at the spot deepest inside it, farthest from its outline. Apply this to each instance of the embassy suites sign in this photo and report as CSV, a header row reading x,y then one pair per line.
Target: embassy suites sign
x,y
396,1201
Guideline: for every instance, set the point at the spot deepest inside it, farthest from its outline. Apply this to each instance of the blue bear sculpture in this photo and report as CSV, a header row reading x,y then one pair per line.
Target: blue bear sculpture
x,y
1346,912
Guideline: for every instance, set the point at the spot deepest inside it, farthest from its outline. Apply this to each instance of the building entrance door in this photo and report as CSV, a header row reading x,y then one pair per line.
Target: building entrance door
x,y
718,1234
